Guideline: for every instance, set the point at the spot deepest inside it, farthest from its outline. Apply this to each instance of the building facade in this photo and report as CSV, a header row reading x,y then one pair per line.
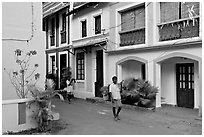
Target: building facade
x,y
160,42
156,41
56,25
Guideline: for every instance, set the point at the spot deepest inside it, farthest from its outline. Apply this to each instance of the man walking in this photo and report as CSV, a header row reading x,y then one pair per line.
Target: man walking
x,y
114,89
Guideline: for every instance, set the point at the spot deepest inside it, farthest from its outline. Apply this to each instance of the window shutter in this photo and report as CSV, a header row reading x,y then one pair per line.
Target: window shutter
x,y
133,19
140,17
127,20
184,9
169,11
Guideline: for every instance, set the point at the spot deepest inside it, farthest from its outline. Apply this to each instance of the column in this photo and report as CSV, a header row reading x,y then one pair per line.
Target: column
x,y
158,83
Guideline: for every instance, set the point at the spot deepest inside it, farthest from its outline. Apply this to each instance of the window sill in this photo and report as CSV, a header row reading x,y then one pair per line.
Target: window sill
x,y
132,30
80,81
175,21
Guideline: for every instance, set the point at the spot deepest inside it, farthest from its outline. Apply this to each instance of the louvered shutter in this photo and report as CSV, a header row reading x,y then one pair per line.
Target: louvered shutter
x,y
127,20
169,11
140,17
184,9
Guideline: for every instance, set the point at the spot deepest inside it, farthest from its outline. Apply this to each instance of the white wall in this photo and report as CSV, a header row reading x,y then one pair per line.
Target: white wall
x,y
16,23
89,14
168,82
131,68
10,116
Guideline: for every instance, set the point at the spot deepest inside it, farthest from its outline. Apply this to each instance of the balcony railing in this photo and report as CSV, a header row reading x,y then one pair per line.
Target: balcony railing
x,y
52,40
63,37
132,37
183,28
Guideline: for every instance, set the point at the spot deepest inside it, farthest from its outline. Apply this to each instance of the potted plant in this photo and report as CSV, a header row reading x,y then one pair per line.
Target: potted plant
x,y
44,115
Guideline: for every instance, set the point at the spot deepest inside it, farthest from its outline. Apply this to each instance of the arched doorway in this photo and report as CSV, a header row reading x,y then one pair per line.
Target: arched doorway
x,y
177,76
131,67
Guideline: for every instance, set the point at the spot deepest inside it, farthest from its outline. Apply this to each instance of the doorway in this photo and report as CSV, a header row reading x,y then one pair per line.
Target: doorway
x,y
185,85
63,64
99,73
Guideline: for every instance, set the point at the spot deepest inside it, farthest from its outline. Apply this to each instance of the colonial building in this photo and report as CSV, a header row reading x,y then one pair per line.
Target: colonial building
x,y
157,41
160,42
89,40
56,25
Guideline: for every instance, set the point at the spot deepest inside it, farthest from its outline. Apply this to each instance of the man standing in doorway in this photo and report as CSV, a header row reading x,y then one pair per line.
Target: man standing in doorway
x,y
114,89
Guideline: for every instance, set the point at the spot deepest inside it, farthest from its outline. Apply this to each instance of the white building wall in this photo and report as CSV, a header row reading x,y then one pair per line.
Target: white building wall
x,y
16,23
168,82
131,69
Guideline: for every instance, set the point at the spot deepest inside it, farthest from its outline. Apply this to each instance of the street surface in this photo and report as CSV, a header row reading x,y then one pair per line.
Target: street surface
x,y
86,118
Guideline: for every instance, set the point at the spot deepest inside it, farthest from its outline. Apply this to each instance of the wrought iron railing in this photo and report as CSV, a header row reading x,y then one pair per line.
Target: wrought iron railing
x,y
63,37
132,37
179,29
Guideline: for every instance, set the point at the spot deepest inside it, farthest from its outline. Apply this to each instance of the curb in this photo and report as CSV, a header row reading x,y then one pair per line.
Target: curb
x,y
132,107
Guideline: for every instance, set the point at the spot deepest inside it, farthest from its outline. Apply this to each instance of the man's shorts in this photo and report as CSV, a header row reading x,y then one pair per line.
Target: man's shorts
x,y
116,103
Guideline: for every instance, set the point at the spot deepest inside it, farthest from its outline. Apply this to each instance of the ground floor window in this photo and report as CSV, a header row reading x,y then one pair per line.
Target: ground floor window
x,y
52,60
80,66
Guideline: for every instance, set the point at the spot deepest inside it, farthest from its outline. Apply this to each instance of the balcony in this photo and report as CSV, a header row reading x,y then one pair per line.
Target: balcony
x,y
179,29
63,37
52,40
132,37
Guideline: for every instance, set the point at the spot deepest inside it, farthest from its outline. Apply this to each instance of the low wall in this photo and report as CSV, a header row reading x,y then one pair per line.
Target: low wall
x,y
17,116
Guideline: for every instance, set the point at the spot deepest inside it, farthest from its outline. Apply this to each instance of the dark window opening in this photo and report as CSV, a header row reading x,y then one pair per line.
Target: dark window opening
x,y
52,64
80,66
98,24
52,34
83,24
63,31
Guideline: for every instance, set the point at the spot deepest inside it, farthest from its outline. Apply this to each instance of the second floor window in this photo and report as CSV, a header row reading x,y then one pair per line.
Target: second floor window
x,y
80,66
52,34
63,31
133,26
133,18
98,24
178,20
83,27
170,11
64,22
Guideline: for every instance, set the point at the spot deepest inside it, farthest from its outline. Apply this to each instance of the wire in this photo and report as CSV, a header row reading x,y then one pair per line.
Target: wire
x,y
127,21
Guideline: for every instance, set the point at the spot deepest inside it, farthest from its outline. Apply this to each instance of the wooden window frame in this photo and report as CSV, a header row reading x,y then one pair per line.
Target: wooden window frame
x,y
80,66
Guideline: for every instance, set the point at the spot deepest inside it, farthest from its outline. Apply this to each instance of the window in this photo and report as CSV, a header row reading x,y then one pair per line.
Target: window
x,y
83,26
63,31
171,11
52,58
80,66
133,18
98,24
52,34
132,26
64,22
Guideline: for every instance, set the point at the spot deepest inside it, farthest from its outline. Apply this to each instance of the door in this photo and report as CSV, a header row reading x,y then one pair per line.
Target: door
x,y
185,85
63,64
99,73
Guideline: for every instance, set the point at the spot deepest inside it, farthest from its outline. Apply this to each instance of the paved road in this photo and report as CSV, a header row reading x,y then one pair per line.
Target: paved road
x,y
86,118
